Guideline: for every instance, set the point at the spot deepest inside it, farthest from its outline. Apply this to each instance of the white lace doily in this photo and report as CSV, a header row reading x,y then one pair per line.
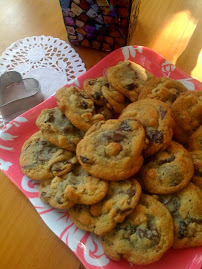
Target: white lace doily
x,y
50,60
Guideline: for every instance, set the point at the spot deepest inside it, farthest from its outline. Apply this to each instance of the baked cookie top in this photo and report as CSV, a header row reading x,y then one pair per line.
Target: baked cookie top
x,y
40,159
78,107
144,236
195,140
157,120
187,113
128,77
185,207
112,150
197,161
100,218
51,191
103,94
164,89
82,188
76,186
167,171
57,129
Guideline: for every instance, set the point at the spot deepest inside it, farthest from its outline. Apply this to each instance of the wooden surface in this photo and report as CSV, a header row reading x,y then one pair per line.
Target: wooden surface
x,y
172,28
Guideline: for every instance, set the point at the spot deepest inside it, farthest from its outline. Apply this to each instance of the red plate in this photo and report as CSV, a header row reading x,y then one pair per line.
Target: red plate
x,y
85,245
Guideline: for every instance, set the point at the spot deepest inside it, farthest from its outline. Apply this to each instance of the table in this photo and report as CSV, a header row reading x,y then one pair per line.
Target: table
x,y
171,28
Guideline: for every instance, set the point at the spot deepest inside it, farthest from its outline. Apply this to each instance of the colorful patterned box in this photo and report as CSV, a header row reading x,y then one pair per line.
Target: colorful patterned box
x,y
100,24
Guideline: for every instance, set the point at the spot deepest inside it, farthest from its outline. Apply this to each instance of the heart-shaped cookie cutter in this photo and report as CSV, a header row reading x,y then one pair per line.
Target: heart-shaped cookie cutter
x,y
18,95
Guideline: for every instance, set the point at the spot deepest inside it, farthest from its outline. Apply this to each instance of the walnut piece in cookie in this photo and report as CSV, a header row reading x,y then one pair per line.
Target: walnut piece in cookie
x,y
78,107
164,89
156,118
185,207
128,77
40,159
187,114
102,217
144,236
57,129
167,171
112,150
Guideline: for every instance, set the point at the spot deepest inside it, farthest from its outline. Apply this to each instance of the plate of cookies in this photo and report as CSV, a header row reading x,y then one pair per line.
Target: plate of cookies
x,y
113,163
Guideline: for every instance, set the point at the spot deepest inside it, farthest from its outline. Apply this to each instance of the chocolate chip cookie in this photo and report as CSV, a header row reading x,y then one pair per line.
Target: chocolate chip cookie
x,y
187,113
128,77
157,120
82,188
57,129
164,89
103,94
100,218
195,140
197,161
51,191
167,171
185,207
112,150
144,236
78,107
40,159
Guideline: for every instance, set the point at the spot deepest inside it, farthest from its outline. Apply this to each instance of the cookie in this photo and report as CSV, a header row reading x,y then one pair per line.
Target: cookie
x,y
144,236
40,159
51,191
128,77
197,161
187,113
112,150
82,188
167,171
78,107
156,117
57,129
195,140
100,218
164,89
185,207
103,94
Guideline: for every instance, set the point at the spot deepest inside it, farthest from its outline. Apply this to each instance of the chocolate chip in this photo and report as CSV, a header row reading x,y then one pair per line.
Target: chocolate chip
x,y
97,96
44,142
83,105
50,117
42,194
152,234
86,160
168,160
131,192
118,137
162,112
125,126
122,212
182,229
59,201
91,82
172,203
130,86
155,136
174,97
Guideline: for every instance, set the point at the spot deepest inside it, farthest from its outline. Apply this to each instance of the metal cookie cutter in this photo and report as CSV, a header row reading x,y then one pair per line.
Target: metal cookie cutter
x,y
18,95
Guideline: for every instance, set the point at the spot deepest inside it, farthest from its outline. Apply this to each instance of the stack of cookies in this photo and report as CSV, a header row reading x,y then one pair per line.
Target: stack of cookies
x,y
124,156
